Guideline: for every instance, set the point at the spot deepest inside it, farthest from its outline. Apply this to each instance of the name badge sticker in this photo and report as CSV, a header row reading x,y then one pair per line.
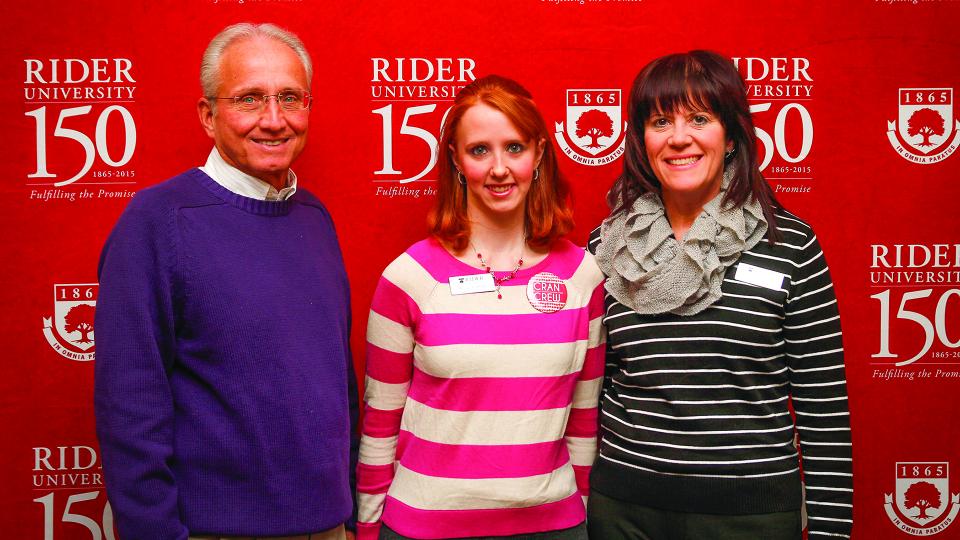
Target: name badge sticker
x,y
762,277
546,292
472,283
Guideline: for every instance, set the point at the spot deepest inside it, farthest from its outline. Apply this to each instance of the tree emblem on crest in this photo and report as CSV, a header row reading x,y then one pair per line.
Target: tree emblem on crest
x,y
80,319
594,123
925,122
922,495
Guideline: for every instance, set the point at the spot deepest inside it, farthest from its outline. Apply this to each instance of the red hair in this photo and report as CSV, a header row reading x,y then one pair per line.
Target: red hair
x,y
547,209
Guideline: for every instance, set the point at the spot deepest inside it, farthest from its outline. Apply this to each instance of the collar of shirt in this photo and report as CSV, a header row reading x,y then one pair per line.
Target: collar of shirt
x,y
242,183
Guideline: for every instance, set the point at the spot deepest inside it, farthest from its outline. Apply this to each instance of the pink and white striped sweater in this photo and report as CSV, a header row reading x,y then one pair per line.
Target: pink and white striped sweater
x,y
481,414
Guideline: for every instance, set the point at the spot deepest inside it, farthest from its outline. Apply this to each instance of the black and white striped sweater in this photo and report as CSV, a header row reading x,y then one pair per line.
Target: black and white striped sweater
x,y
696,410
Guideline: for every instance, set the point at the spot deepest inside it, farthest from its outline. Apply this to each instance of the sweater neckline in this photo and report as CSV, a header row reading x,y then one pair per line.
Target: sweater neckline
x,y
522,274
247,204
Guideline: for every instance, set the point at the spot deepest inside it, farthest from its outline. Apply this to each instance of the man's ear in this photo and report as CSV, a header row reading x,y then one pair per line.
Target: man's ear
x,y
205,111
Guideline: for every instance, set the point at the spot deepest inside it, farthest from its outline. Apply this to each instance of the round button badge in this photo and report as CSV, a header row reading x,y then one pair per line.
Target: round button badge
x,y
546,292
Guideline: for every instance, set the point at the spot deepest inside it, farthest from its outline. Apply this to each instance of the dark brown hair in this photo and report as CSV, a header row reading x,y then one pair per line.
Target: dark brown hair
x,y
697,80
547,209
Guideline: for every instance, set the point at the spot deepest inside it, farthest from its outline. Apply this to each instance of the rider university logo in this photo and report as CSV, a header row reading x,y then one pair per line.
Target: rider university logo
x,y
593,133
70,330
925,130
921,504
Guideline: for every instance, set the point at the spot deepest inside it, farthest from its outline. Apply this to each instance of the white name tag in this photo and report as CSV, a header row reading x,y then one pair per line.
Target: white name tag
x,y
473,283
755,275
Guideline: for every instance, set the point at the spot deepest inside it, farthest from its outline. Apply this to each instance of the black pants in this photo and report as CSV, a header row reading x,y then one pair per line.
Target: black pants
x,y
613,519
573,533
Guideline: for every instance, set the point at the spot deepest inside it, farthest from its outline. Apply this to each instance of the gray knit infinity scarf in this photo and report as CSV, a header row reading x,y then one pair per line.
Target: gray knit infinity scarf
x,y
650,272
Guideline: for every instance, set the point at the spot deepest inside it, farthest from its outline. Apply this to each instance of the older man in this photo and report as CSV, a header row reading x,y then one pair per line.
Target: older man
x,y
225,395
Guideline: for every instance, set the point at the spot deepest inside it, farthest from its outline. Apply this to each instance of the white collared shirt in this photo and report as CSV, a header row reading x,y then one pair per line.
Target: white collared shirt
x,y
242,183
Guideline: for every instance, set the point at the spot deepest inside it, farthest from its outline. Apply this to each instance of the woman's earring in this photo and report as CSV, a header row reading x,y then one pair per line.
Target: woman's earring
x,y
460,178
536,174
729,153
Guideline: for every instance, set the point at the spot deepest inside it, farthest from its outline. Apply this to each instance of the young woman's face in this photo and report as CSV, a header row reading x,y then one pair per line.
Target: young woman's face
x,y
497,162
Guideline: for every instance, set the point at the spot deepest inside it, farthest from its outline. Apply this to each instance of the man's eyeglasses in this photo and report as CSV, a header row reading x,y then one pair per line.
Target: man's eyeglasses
x,y
288,101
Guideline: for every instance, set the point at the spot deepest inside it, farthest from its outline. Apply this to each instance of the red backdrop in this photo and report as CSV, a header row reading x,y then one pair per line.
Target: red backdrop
x,y
854,103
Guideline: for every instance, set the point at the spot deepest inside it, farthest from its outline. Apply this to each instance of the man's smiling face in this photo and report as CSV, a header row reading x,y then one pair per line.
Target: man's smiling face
x,y
262,143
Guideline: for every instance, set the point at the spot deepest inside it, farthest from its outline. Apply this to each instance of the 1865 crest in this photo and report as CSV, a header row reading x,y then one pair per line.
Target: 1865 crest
x,y
593,131
925,130
921,503
70,330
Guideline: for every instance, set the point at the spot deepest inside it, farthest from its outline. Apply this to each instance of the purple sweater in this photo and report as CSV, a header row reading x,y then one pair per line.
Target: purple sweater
x,y
225,392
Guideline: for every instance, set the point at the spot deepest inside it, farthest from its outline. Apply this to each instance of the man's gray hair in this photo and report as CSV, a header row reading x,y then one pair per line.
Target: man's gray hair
x,y
210,65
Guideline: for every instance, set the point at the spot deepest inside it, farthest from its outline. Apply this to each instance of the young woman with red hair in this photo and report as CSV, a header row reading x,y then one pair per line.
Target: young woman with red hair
x,y
485,349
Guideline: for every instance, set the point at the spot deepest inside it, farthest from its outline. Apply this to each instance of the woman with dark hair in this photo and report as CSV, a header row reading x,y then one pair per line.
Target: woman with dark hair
x,y
485,348
721,317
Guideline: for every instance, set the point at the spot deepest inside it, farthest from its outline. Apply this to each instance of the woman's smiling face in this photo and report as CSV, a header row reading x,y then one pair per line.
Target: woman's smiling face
x,y
685,149
496,160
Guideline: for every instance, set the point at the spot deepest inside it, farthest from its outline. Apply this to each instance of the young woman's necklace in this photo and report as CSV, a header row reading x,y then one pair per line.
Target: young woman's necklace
x,y
498,281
